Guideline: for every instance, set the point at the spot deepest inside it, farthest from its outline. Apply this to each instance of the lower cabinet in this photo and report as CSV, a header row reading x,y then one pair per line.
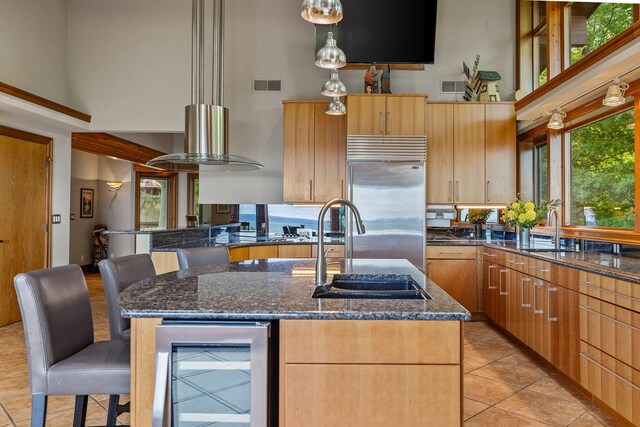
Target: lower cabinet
x,y
370,373
463,285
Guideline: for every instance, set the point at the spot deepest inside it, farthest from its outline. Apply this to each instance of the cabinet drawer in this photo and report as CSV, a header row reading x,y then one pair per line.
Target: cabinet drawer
x,y
451,252
493,255
331,251
614,330
294,251
536,267
371,341
618,292
238,254
611,381
263,252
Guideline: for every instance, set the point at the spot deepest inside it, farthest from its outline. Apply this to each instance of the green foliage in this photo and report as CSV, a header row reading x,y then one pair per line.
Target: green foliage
x,y
478,216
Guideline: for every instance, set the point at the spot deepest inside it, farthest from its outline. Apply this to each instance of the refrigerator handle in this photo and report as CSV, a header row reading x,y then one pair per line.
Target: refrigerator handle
x,y
160,393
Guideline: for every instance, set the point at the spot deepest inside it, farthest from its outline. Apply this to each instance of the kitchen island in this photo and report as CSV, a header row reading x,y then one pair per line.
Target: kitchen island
x,y
339,361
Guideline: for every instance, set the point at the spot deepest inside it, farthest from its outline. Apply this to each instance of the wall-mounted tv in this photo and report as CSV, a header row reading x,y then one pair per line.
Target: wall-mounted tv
x,y
385,32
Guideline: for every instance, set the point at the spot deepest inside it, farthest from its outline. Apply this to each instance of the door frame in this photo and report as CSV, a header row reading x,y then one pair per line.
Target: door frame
x,y
142,171
48,142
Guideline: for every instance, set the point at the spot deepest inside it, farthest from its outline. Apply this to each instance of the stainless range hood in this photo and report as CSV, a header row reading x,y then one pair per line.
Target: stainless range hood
x,y
206,139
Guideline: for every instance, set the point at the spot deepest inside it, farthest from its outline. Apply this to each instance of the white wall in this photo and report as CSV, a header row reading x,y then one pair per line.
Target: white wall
x,y
84,174
33,46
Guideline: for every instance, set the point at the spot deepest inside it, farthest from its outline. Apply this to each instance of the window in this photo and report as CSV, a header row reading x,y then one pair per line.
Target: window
x,y
601,174
288,215
540,71
593,24
540,173
193,193
155,201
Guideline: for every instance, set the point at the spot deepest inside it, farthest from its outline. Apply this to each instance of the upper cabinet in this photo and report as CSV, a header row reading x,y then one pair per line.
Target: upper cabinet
x,y
314,153
471,153
386,115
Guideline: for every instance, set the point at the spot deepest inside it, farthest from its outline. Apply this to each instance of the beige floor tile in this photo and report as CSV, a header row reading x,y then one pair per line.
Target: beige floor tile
x,y
520,376
487,391
96,415
472,408
519,359
587,420
20,407
474,362
4,418
493,417
476,331
14,386
488,349
543,408
16,327
599,416
14,368
554,387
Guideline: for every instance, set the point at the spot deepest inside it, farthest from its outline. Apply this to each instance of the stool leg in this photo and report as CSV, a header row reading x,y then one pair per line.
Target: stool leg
x,y
38,409
80,413
113,410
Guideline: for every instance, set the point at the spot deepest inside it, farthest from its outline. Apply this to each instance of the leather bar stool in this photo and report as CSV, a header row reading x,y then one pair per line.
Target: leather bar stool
x,y
198,257
62,355
117,275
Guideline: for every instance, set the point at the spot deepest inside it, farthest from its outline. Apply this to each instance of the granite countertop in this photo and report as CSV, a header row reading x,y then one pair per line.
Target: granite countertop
x,y
607,264
245,241
279,289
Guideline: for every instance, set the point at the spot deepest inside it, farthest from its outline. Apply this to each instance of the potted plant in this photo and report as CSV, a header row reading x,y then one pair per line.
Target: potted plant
x,y
526,215
477,217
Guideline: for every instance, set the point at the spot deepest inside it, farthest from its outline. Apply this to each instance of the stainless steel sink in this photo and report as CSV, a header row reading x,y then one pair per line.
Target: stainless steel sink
x,y
371,286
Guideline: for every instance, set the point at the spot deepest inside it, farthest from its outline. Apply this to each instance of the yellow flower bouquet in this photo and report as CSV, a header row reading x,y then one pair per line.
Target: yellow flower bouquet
x,y
526,215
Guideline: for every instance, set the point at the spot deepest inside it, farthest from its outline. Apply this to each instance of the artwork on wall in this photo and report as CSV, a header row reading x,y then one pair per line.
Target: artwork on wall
x,y
86,203
223,209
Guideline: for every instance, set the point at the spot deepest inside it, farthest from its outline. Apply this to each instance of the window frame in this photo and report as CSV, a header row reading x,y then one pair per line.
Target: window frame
x,y
172,208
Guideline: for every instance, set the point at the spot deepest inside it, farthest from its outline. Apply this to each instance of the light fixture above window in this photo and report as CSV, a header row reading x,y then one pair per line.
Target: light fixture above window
x,y
557,119
331,56
322,11
615,93
114,185
336,107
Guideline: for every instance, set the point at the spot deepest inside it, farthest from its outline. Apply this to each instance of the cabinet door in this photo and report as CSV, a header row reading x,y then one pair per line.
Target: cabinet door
x,y
564,318
468,153
462,286
502,296
330,155
500,146
440,153
541,326
298,149
490,290
405,115
366,114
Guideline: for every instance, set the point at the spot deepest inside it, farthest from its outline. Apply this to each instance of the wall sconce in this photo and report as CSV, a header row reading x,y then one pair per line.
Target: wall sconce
x,y
615,93
114,185
556,120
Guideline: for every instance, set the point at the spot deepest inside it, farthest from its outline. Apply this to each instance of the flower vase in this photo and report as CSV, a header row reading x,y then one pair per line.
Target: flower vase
x,y
524,235
478,230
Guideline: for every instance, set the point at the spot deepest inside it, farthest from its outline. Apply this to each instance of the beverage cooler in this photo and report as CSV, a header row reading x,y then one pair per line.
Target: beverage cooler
x,y
211,373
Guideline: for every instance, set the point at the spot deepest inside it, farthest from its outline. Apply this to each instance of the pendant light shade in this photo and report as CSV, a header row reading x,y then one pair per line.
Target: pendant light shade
x,y
336,108
322,11
615,93
334,87
556,121
330,56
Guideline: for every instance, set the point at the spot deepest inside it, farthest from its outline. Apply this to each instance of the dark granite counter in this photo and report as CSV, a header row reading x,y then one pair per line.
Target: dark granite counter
x,y
279,289
607,264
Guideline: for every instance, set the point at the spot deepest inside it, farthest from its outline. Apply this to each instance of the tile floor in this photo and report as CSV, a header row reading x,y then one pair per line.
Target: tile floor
x,y
502,386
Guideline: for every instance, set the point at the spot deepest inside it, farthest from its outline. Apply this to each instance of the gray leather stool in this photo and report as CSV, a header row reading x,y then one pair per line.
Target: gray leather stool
x,y
198,257
63,357
117,275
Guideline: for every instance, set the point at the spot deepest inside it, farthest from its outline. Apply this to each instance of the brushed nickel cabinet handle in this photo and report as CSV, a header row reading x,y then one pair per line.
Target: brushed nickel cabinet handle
x,y
549,290
624,380
450,190
536,284
488,198
388,123
451,253
500,274
617,294
342,188
488,254
457,193
310,189
381,123
586,308
491,267
429,269
524,279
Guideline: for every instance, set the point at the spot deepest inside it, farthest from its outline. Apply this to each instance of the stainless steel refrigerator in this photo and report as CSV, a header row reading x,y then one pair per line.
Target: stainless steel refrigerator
x,y
386,182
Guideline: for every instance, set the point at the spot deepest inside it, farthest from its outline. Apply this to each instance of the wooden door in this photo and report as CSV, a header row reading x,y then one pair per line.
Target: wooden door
x,y
564,326
405,115
468,153
500,146
366,114
462,286
24,243
330,155
439,153
298,146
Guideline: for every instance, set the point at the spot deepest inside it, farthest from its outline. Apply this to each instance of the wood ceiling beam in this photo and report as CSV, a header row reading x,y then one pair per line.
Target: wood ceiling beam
x,y
110,145
43,102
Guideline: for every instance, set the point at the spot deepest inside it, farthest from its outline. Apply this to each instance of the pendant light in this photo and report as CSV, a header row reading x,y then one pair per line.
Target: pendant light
x,y
556,121
334,87
615,93
330,56
322,11
336,108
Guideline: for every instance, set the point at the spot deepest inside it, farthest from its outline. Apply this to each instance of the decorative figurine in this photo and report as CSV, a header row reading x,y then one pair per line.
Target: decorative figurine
x,y
386,81
489,86
370,82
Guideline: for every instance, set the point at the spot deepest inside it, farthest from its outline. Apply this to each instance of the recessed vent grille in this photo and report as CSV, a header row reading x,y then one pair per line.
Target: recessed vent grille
x,y
267,85
452,86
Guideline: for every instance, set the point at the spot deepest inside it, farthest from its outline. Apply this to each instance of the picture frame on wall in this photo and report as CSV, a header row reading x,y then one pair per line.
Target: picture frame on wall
x,y
223,209
86,203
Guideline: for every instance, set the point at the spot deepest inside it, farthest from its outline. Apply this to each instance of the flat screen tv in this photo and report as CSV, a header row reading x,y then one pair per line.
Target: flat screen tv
x,y
384,31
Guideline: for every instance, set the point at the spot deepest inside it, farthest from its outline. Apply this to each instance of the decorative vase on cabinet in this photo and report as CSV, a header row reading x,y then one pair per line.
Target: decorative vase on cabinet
x,y
524,236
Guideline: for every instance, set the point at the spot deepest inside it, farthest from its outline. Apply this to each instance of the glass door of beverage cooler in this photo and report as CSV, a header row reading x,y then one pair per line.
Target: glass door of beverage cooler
x,y
211,374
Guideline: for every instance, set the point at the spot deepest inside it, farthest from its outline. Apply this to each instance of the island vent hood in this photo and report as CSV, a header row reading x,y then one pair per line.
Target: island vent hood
x,y
206,139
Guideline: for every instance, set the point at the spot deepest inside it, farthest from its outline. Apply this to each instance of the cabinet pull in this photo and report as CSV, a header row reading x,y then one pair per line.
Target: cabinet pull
x,y
618,294
524,279
451,253
381,123
536,284
456,196
488,254
510,261
549,290
532,267
586,308
388,123
429,269
310,189
501,292
488,198
491,267
342,188
450,190
624,380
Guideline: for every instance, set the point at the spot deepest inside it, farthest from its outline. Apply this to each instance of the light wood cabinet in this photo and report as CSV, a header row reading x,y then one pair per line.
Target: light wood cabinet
x,y
333,372
385,115
471,153
314,145
463,285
